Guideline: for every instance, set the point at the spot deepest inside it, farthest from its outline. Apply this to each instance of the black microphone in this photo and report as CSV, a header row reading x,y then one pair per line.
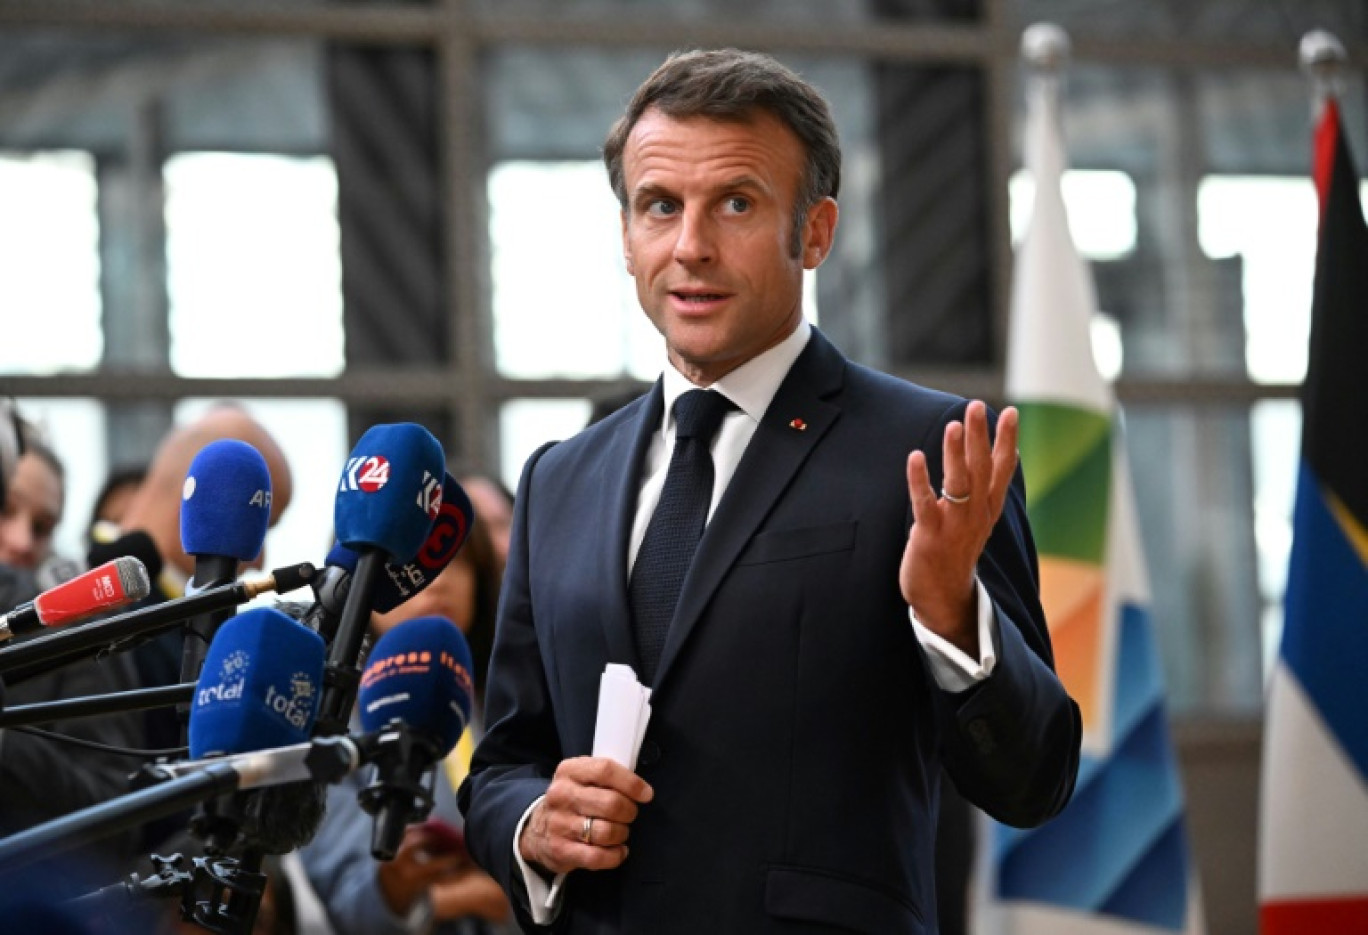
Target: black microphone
x,y
416,694
58,569
137,543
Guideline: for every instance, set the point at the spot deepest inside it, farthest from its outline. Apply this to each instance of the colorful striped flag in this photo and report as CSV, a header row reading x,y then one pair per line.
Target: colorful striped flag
x,y
1117,859
1313,846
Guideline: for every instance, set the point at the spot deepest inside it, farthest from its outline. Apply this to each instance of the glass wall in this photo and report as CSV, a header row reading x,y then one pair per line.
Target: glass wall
x,y
340,213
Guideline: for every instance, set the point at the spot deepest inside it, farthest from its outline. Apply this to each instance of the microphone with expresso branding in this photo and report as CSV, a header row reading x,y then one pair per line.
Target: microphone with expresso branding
x,y
419,687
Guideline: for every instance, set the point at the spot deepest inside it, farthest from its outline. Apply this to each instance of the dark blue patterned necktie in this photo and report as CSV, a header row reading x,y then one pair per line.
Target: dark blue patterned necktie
x,y
676,525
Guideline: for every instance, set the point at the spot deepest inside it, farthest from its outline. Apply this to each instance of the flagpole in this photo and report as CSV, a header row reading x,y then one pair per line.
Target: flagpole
x,y
1045,51
1313,803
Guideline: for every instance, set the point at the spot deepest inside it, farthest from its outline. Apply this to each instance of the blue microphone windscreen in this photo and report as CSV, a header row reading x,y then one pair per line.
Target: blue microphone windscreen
x,y
420,672
391,491
340,556
260,685
226,501
403,580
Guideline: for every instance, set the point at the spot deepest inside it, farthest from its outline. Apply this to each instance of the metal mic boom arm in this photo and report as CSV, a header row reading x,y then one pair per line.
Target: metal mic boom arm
x,y
42,654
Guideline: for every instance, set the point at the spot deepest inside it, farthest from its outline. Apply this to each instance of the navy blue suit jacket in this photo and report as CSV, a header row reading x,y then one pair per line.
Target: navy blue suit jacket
x,y
797,734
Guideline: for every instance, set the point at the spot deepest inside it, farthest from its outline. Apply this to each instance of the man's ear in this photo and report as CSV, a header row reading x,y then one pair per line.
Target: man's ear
x,y
819,232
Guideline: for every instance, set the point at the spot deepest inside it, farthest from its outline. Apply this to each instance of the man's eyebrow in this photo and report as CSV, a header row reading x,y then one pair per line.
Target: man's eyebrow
x,y
744,181
736,183
649,190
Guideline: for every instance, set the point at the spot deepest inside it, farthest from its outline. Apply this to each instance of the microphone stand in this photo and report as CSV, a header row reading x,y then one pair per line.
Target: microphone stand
x,y
137,699
402,792
341,672
127,811
41,654
221,893
211,571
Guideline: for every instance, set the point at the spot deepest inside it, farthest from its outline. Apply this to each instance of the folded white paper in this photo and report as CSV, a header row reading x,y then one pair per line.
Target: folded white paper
x,y
624,709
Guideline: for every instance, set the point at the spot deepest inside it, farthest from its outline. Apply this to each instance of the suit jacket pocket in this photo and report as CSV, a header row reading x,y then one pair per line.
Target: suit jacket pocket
x,y
807,895
781,545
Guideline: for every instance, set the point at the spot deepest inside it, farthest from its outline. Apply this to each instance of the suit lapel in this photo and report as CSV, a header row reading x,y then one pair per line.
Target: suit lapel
x,y
798,416
625,453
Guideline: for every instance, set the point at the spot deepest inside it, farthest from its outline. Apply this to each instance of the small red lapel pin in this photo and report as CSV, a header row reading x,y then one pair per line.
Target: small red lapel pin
x,y
798,424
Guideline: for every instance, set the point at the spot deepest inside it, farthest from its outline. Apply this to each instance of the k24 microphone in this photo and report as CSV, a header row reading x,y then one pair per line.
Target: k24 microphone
x,y
114,584
389,495
390,492
401,581
419,677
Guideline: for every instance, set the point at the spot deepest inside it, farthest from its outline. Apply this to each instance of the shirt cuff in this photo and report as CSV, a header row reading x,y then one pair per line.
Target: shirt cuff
x,y
953,669
538,889
419,918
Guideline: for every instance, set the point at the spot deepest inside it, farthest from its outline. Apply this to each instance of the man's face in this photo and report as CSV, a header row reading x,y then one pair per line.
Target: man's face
x,y
32,510
707,233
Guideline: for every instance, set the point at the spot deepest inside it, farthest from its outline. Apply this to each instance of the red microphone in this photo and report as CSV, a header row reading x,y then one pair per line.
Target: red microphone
x,y
110,586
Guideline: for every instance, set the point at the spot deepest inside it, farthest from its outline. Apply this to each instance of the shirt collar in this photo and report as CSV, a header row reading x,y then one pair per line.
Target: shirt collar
x,y
750,386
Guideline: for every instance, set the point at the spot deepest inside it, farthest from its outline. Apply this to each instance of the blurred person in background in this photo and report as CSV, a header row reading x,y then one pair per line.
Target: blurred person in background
x,y
493,503
42,778
113,498
431,885
12,428
33,507
154,507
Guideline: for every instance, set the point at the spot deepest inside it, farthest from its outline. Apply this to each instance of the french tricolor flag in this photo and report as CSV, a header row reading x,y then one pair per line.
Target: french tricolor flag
x,y
1313,847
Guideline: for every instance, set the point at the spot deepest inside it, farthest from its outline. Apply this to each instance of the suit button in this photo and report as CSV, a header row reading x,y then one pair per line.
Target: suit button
x,y
649,754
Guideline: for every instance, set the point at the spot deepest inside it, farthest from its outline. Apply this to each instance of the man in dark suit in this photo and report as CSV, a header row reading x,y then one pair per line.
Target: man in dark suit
x,y
860,610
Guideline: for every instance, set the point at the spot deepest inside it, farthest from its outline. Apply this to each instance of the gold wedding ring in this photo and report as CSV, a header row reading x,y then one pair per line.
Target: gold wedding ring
x,y
587,830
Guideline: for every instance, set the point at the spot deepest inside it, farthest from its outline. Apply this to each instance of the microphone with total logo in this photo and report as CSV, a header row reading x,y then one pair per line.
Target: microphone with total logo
x,y
259,690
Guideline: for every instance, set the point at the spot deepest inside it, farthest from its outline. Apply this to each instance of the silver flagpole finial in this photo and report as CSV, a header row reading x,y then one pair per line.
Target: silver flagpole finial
x,y
1323,58
1045,46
